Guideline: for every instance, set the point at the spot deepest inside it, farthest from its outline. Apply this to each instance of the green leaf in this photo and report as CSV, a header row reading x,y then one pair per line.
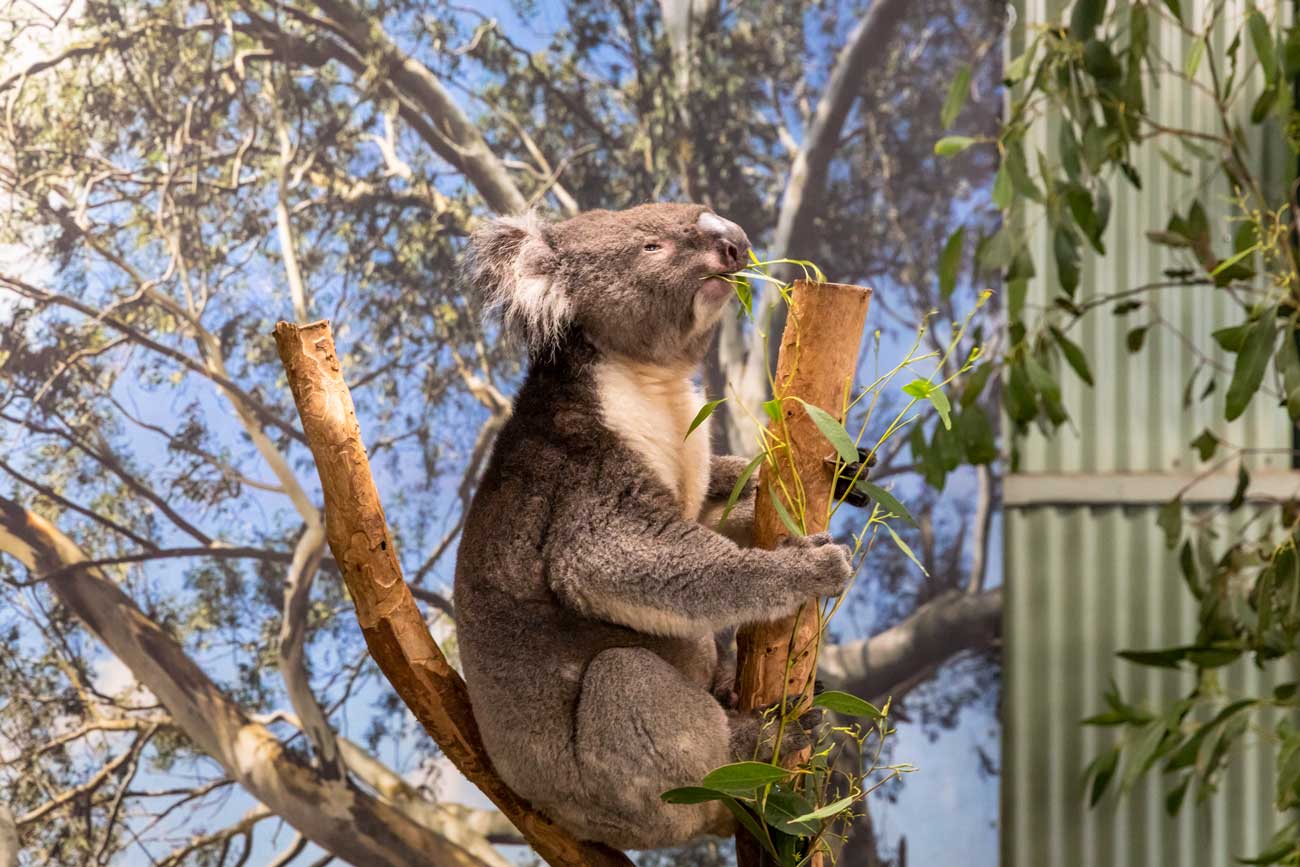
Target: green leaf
x,y
887,501
1002,187
1100,61
779,507
941,405
1252,361
1043,381
691,795
1014,160
1287,361
832,809
1176,7
1143,754
1174,163
773,409
1170,519
1136,337
739,487
902,546
834,432
1206,444
743,778
976,433
1080,202
1085,16
846,704
750,824
1169,658
704,413
975,383
1103,770
1232,260
918,388
1073,355
1239,492
1174,800
950,261
956,98
785,811
1261,38
1194,56
951,145
1232,338
1066,248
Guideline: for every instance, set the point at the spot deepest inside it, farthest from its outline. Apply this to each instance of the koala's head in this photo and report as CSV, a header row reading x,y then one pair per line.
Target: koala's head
x,y
642,282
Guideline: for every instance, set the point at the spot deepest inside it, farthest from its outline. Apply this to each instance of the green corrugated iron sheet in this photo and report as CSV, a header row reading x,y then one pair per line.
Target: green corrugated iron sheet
x,y
1085,582
1133,419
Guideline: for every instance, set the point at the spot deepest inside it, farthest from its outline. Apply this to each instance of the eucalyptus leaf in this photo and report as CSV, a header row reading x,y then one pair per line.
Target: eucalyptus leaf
x,y
834,432
847,705
703,414
887,501
1252,362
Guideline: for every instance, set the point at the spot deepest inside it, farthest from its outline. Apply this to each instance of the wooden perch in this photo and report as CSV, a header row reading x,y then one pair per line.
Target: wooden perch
x,y
391,622
816,363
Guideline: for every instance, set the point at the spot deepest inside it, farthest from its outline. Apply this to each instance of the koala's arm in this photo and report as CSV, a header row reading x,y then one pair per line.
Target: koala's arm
x,y
724,471
657,573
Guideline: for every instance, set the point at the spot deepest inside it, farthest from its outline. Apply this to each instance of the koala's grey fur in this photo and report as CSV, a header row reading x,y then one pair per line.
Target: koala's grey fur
x,y
588,591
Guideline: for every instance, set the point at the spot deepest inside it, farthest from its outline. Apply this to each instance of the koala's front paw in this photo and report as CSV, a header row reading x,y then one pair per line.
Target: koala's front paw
x,y
825,568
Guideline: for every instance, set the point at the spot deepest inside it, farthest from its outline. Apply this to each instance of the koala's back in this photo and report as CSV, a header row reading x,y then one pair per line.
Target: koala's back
x,y
524,653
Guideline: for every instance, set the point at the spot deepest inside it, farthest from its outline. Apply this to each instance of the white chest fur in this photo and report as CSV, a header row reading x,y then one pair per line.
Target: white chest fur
x,y
650,407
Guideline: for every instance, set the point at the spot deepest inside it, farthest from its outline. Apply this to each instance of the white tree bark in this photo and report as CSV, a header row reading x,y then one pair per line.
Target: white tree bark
x,y
350,824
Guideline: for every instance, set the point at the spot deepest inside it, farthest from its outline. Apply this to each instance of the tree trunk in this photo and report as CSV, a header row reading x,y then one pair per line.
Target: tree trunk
x,y
391,622
818,358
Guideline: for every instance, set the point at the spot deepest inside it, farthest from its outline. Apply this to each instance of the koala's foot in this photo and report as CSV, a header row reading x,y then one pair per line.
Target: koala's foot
x,y
754,734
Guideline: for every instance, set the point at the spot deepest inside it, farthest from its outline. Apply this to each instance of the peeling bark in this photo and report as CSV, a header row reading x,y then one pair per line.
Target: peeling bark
x,y
391,622
338,817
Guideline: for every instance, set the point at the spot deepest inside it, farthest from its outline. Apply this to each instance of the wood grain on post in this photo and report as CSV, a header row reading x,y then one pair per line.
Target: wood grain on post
x,y
816,363
394,629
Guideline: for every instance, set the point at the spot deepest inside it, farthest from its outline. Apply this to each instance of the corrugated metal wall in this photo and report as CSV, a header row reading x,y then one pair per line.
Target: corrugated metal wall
x,y
1085,582
1133,420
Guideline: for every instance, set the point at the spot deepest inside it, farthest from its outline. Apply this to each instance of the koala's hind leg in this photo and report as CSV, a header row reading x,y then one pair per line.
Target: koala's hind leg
x,y
642,729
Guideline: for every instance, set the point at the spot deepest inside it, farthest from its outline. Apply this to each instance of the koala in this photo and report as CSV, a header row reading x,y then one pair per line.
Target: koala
x,y
588,588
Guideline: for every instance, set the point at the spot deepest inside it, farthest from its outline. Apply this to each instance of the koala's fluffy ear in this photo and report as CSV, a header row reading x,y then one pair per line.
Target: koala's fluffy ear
x,y
511,265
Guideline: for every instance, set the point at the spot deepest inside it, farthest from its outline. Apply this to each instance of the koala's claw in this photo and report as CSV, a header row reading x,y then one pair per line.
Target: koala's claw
x,y
845,484
816,540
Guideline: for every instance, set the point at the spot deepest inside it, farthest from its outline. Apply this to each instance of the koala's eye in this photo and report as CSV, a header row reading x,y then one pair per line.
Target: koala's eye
x,y
651,247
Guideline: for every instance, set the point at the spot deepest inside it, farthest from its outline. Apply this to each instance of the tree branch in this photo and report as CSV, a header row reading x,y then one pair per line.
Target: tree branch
x,y
456,139
392,624
339,818
944,626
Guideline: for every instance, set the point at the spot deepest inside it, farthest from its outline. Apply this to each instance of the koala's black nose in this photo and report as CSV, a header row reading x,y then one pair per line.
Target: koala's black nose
x,y
731,241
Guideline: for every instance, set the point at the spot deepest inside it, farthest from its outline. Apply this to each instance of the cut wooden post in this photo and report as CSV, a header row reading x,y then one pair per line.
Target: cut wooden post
x,y
816,363
391,622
